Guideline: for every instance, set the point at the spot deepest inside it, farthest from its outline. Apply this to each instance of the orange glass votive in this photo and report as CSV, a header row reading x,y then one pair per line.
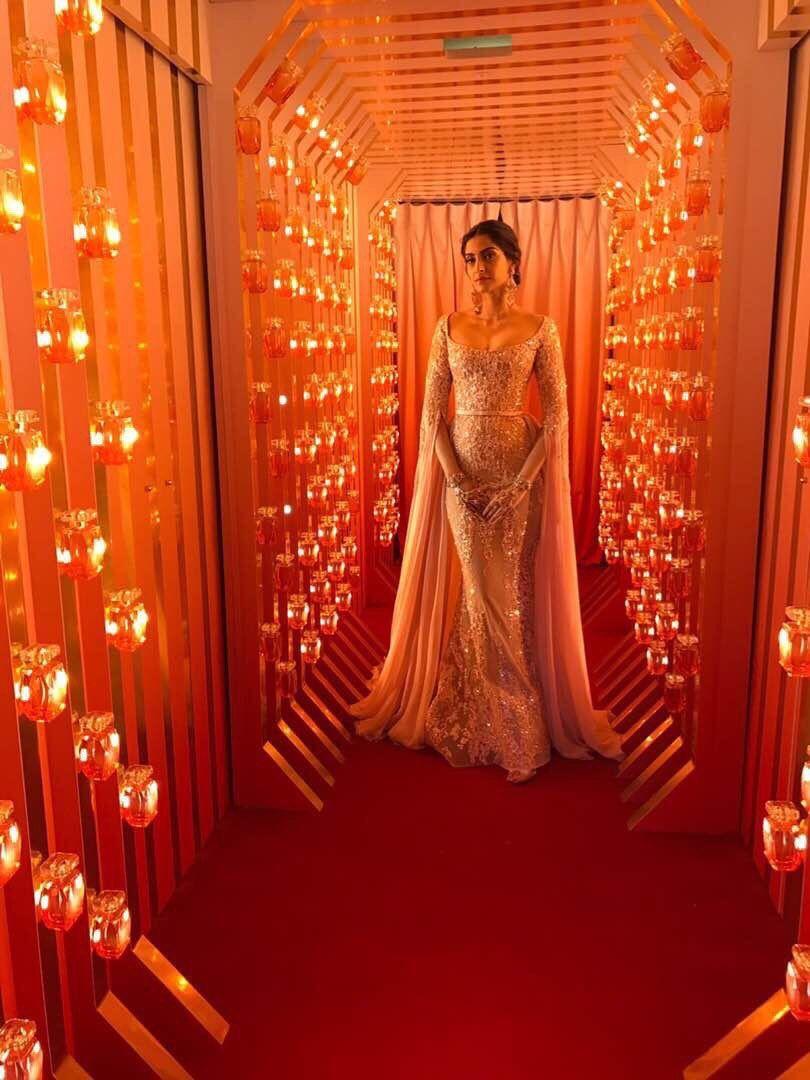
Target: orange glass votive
x,y
310,646
783,841
41,682
62,336
680,577
95,227
681,55
254,271
266,525
284,571
674,693
260,408
686,655
284,80
126,618
657,658
715,108
59,890
297,610
708,258
40,91
97,745
794,642
110,922
80,17
138,795
268,212
248,131
80,547
698,193
275,338
270,641
692,328
694,531
287,675
112,433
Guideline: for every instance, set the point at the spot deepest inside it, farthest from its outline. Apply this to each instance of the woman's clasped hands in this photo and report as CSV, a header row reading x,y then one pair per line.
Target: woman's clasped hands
x,y
489,501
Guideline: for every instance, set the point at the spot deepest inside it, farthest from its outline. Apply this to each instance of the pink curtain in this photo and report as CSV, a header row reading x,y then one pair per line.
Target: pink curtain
x,y
564,244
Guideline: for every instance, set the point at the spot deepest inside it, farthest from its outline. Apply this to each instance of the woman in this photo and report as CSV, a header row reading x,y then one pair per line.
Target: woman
x,y
490,669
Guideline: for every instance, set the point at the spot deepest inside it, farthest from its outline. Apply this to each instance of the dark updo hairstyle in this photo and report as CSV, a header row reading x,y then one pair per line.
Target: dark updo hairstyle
x,y
502,235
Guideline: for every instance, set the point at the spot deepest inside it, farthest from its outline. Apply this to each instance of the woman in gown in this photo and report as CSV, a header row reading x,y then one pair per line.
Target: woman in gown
x,y
488,666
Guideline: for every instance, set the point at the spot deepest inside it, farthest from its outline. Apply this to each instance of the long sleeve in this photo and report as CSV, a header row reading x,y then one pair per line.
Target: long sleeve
x,y
549,370
437,383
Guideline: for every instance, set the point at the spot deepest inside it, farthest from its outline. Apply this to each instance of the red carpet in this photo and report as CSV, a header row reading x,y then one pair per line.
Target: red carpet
x,y
433,923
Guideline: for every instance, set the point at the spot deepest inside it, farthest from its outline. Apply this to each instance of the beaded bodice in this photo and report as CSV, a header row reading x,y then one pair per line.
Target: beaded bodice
x,y
493,381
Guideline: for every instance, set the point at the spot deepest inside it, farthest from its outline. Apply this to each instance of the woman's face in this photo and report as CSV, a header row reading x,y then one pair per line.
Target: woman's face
x,y
485,264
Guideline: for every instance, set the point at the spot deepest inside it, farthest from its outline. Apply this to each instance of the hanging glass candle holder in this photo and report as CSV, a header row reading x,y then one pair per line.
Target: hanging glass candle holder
x,y
343,596
254,271
674,693
644,627
62,336
335,564
320,587
345,255
80,546
690,137
329,619
110,922
284,80
279,158
632,602
80,17
24,457
275,338
260,403
669,334
248,130
270,641
295,226
280,456
10,842
797,982
12,210
667,623
310,646
308,114
138,795
671,510
701,397
126,618
794,642
308,547
682,56
112,432
680,576
21,1054
97,745
40,92
715,108
284,571
805,779
287,675
297,610
356,172
708,258
266,525
784,841
692,328
305,448
698,192
285,279
41,682
95,226
268,212
657,658
315,236
686,655
59,890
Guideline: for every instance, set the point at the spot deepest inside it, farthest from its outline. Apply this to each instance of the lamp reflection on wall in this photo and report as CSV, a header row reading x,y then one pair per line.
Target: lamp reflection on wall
x,y
137,795
12,209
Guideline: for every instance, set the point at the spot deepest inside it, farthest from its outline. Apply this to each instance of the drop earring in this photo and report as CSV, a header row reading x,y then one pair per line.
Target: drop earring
x,y
511,289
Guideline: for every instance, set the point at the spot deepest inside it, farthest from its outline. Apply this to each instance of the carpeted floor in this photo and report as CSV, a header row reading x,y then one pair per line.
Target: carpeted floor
x,y
433,923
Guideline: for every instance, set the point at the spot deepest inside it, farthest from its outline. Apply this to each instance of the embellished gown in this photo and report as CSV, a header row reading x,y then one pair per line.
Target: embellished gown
x,y
487,662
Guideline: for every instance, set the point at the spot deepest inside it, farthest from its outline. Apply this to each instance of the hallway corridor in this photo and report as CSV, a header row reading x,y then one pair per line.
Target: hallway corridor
x,y
433,923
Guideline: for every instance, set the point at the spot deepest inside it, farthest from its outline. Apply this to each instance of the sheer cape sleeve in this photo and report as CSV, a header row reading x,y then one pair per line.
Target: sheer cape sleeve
x,y
574,725
403,685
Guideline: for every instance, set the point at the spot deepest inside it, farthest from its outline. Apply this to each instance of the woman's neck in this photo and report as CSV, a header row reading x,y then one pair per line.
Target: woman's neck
x,y
494,307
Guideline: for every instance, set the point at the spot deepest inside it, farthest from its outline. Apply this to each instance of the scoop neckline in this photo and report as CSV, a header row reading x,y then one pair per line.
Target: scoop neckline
x,y
480,348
